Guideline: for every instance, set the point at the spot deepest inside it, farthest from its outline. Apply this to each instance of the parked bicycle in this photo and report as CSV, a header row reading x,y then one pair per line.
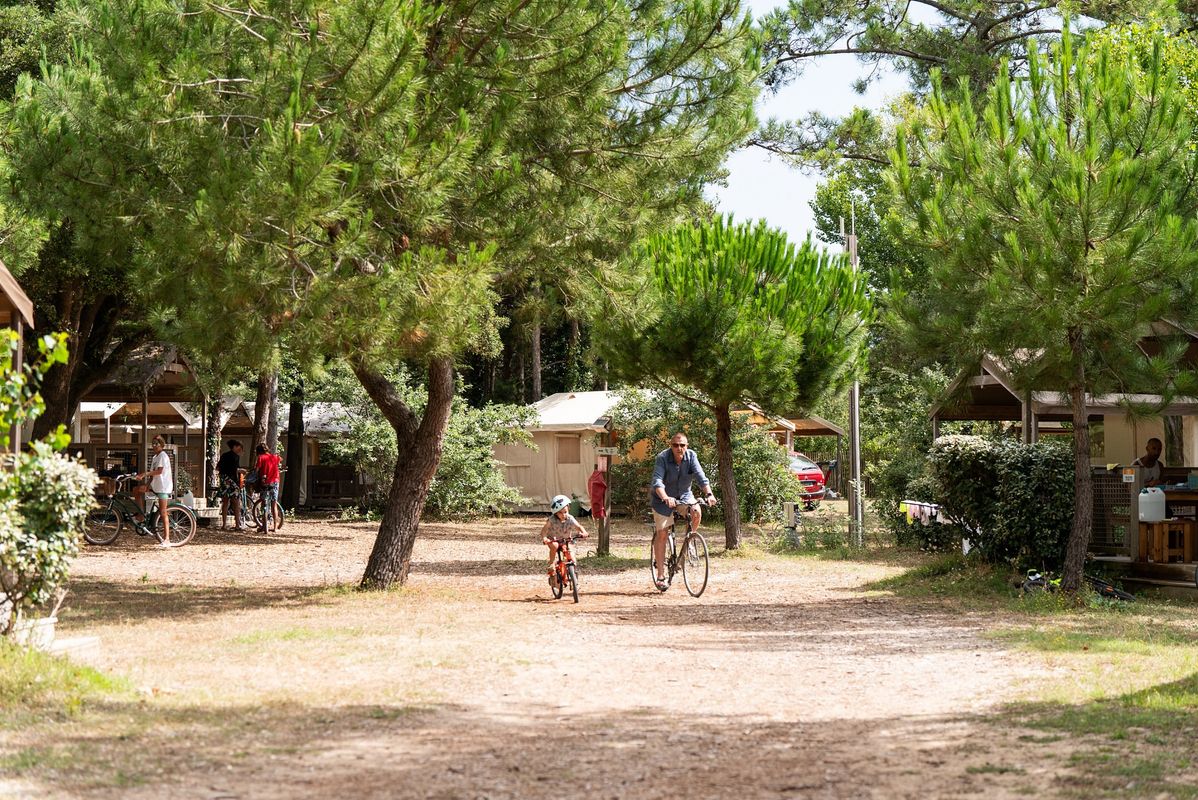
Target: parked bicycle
x,y
565,570
688,556
105,523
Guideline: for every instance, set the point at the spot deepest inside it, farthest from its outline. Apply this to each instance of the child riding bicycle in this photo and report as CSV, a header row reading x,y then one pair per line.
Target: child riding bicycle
x,y
559,526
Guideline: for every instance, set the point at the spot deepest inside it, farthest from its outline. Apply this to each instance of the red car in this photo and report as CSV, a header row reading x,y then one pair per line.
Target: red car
x,y
812,478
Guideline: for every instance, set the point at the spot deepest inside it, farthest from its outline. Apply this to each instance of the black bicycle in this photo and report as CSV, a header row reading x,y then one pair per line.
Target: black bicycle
x,y
104,524
1037,582
688,556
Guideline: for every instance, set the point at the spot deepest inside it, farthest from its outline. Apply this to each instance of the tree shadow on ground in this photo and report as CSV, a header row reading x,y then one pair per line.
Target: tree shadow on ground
x,y
98,602
137,749
848,627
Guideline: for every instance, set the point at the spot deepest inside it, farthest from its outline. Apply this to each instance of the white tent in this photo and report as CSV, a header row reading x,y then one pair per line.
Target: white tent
x,y
565,434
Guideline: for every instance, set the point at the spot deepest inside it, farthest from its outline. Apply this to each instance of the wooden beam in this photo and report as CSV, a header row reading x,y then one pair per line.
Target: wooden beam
x,y
983,380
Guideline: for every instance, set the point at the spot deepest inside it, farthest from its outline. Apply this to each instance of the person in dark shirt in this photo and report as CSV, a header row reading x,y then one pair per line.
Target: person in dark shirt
x,y
229,470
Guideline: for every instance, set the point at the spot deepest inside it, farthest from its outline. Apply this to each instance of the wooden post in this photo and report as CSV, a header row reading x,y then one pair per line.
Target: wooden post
x,y
16,430
605,523
145,430
204,446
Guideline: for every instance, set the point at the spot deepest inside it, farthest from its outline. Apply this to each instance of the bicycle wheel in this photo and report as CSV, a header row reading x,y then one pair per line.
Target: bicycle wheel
x,y
555,583
1105,589
694,563
183,525
572,575
257,514
103,526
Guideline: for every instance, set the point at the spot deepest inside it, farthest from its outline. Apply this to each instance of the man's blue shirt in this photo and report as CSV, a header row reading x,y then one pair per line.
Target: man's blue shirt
x,y
676,478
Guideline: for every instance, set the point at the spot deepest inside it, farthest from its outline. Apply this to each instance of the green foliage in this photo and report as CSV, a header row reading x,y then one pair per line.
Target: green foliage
x,y
974,41
44,496
739,313
759,463
1015,500
468,482
1056,219
896,435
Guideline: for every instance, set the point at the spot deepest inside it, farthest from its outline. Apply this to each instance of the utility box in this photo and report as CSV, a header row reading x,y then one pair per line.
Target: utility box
x,y
790,515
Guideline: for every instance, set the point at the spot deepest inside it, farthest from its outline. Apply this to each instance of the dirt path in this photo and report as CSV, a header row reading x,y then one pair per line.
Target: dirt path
x,y
788,678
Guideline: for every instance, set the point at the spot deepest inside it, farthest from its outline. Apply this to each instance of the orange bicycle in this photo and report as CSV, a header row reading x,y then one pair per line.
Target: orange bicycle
x,y
565,571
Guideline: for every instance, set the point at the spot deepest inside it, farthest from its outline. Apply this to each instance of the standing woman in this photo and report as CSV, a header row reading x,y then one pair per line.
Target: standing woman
x,y
267,467
162,483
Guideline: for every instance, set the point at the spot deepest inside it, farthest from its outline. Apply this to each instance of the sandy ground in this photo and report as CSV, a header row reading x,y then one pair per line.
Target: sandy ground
x,y
258,675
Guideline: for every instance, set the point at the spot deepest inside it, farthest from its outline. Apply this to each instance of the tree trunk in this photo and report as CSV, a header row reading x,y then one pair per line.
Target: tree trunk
x,y
730,500
272,418
520,375
418,453
215,428
295,449
261,411
1083,488
535,340
1175,443
574,369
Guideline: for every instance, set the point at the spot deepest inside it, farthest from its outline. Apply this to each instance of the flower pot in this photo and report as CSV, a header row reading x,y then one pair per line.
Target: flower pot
x,y
35,633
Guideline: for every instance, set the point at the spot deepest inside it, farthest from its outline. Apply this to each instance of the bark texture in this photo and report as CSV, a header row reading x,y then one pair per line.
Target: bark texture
x,y
1083,502
419,442
295,449
98,340
267,387
729,498
215,429
1175,443
535,341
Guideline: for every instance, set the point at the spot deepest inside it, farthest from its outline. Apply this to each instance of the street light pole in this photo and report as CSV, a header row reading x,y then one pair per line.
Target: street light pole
x,y
856,497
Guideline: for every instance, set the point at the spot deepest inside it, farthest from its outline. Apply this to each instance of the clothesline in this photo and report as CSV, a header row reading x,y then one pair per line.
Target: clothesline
x,y
926,513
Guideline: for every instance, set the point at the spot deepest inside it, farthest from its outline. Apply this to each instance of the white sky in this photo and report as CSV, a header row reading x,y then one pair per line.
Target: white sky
x,y
760,186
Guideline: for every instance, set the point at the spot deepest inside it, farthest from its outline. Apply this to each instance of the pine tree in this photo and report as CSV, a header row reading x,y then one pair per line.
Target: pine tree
x,y
739,314
351,177
1056,218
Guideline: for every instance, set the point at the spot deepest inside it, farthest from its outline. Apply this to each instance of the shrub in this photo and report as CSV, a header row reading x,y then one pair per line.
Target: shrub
x,y
760,465
44,496
44,501
1015,499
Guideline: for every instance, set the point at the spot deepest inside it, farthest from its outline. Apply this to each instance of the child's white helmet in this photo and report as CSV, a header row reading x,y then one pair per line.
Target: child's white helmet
x,y
558,503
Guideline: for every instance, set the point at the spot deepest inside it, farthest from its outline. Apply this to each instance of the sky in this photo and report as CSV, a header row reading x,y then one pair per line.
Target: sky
x,y
761,186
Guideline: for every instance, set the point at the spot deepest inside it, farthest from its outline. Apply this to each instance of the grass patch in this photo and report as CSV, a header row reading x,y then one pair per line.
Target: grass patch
x,y
1139,744
953,577
33,683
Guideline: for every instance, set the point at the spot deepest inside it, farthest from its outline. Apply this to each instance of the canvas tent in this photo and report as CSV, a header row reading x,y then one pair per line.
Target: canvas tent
x,y
565,433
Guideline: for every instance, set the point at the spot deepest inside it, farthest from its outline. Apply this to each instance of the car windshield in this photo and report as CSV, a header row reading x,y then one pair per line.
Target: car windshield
x,y
798,463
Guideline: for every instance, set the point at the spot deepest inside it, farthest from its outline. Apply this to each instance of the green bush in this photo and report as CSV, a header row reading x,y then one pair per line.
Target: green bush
x,y
760,465
44,496
1014,499
469,481
44,501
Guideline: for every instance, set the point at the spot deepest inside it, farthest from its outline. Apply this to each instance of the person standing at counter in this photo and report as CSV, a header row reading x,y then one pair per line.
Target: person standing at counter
x,y
1150,463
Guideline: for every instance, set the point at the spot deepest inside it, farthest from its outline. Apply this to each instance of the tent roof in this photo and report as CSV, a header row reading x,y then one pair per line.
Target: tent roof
x,y
572,411
812,425
319,418
991,395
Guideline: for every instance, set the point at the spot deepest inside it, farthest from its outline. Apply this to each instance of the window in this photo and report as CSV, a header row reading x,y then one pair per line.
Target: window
x,y
569,449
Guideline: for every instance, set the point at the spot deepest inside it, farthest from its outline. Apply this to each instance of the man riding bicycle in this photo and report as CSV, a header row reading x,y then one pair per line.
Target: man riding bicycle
x,y
674,471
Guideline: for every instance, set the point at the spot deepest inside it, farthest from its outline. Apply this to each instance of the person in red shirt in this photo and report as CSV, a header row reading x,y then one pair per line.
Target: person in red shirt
x,y
267,467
